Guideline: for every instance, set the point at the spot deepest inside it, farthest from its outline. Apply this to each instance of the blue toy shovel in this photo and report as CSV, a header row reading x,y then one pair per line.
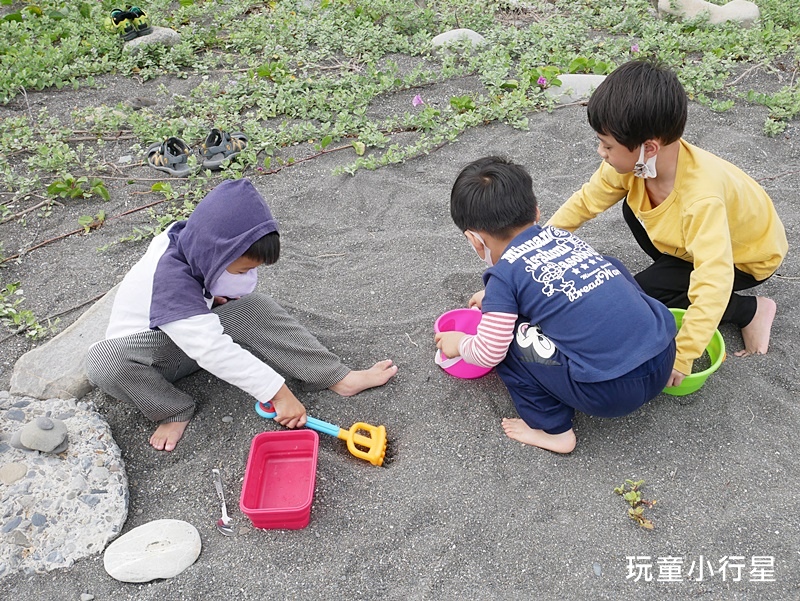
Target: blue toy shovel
x,y
365,441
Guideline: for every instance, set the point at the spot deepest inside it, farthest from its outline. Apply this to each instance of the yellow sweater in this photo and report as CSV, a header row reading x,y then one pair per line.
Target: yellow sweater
x,y
715,217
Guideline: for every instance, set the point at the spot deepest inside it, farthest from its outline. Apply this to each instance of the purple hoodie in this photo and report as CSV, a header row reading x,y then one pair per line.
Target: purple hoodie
x,y
166,289
222,227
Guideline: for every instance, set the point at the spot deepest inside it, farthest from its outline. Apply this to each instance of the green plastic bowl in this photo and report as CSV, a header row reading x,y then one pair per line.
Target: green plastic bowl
x,y
716,352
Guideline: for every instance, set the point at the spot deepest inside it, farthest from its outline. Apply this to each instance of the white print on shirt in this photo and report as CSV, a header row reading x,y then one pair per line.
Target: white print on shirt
x,y
580,262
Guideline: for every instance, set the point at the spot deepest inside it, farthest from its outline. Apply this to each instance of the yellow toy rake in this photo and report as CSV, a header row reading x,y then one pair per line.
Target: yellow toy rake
x,y
365,441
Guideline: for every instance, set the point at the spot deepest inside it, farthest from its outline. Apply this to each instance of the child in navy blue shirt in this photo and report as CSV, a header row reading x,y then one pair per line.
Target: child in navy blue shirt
x,y
567,327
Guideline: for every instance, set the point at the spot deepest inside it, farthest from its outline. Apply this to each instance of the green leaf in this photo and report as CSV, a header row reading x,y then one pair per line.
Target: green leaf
x,y
17,16
324,142
359,147
100,189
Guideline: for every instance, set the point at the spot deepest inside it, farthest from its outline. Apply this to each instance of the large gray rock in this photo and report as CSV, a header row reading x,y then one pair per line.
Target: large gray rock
x,y
69,506
57,369
158,549
741,11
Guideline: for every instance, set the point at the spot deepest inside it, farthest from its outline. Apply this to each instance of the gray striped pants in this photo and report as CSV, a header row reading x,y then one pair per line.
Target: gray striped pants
x,y
141,368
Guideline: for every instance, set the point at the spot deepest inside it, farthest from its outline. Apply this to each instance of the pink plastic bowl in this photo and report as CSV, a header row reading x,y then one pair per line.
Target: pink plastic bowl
x,y
459,320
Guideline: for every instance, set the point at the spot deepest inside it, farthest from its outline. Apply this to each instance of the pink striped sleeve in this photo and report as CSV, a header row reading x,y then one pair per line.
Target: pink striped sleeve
x,y
489,346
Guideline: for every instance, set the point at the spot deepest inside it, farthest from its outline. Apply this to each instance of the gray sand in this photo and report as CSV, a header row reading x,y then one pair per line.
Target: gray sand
x,y
463,512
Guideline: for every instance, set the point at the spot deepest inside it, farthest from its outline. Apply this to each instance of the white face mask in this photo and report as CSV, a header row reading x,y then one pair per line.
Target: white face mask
x,y
645,169
234,285
487,258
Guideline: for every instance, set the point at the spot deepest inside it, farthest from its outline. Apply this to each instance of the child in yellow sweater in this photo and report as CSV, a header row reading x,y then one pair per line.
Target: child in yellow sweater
x,y
710,229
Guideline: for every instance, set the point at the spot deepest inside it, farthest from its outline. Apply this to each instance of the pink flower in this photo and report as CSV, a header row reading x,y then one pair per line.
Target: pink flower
x,y
417,100
635,48
542,81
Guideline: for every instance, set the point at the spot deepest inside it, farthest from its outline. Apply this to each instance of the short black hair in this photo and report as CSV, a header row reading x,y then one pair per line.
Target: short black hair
x,y
639,101
266,249
493,195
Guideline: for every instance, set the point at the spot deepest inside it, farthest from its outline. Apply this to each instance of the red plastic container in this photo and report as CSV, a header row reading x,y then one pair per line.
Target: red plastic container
x,y
279,479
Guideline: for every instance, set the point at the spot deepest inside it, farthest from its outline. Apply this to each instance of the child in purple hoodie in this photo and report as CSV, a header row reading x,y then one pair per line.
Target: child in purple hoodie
x,y
189,304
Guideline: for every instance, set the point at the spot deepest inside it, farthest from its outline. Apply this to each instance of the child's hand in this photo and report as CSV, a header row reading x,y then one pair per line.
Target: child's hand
x,y
476,300
448,342
676,378
290,411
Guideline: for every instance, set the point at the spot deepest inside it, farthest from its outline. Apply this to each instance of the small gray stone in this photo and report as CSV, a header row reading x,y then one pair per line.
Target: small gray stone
x,y
741,11
16,442
11,472
37,519
90,500
457,35
15,415
55,557
598,570
140,102
574,87
61,448
86,597
158,549
11,524
227,419
160,35
19,539
43,434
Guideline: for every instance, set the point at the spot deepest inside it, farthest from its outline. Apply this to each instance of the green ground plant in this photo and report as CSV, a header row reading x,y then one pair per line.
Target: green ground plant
x,y
17,319
304,78
630,491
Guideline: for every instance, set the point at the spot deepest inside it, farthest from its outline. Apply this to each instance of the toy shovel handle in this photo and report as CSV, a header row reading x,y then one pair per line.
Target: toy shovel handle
x,y
443,361
268,411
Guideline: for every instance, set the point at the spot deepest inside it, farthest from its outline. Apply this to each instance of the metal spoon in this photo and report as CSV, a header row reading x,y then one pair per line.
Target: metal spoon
x,y
224,523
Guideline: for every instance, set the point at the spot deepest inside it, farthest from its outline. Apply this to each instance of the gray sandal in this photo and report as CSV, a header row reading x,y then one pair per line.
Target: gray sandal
x,y
170,156
221,146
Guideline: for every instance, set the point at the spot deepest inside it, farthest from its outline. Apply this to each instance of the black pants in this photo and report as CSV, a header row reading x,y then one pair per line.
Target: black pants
x,y
667,279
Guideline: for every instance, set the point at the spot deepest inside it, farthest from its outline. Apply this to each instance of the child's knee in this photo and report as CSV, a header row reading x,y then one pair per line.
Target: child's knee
x,y
102,364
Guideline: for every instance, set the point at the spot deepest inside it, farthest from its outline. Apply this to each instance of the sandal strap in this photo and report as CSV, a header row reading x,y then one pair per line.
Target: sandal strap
x,y
173,151
225,144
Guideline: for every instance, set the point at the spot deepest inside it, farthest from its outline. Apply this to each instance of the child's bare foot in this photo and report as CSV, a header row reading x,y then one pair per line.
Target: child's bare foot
x,y
756,333
356,381
518,430
167,435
